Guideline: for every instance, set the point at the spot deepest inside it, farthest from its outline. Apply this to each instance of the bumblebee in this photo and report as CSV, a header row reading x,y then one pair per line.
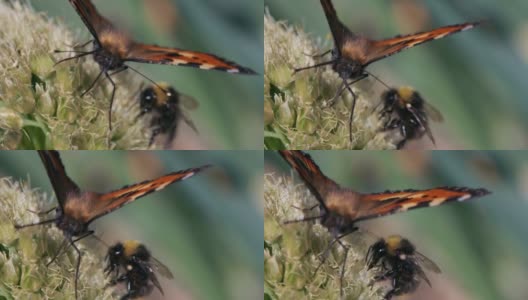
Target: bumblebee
x,y
138,267
167,107
397,260
404,109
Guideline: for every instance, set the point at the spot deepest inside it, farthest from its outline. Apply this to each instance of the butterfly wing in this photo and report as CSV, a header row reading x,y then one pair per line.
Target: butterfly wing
x,y
310,173
94,21
386,203
106,203
62,184
339,31
380,49
172,56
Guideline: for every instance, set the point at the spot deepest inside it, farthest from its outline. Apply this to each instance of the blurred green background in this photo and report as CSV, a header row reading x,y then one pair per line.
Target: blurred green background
x,y
480,245
230,112
207,229
477,79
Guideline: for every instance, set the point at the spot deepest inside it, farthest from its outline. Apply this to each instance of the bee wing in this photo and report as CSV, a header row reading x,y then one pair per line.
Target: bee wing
x,y
389,202
422,121
188,102
433,113
426,262
106,203
310,173
189,121
61,182
172,56
383,48
91,18
162,269
152,275
422,274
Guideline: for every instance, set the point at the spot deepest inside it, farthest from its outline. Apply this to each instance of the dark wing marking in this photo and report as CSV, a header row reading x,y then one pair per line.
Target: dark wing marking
x,y
381,204
62,184
310,173
339,31
94,21
380,49
172,56
106,203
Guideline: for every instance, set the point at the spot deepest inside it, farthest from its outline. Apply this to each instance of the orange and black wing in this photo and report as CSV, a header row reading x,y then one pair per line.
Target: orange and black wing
x,y
386,203
380,49
172,56
106,203
62,184
310,173
339,31
94,21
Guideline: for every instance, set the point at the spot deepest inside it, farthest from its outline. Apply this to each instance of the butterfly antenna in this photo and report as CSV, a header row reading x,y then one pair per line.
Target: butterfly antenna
x,y
144,76
377,78
35,224
73,57
302,220
295,70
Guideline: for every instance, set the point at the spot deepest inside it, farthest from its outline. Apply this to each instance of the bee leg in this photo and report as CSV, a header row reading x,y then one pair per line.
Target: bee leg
x,y
155,133
390,294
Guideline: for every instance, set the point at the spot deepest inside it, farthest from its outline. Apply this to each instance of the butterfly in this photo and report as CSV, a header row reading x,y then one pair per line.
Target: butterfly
x,y
341,208
352,53
406,110
113,48
167,107
77,209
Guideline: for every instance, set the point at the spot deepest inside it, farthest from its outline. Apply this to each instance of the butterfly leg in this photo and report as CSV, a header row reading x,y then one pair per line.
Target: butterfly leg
x,y
93,83
42,212
327,250
34,224
343,269
74,57
319,54
354,97
59,251
79,257
295,70
108,76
